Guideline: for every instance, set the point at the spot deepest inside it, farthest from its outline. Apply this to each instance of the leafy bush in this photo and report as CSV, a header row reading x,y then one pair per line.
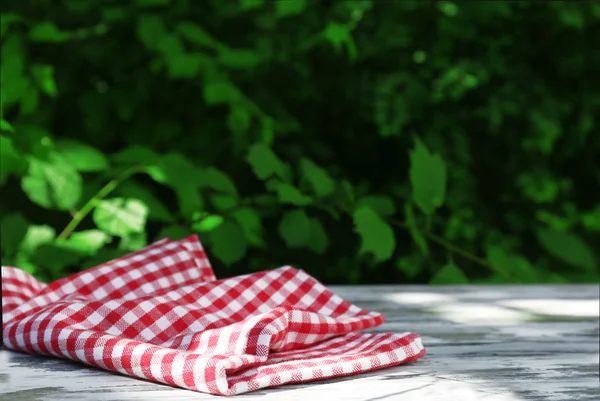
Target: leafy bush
x,y
362,141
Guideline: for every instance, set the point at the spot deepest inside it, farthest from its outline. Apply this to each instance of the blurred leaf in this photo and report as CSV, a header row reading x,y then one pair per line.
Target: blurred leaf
x,y
120,216
411,266
135,155
239,119
152,2
86,242
150,29
243,59
318,242
376,235
133,242
13,231
156,209
514,267
384,205
36,236
427,177
47,32
208,223
175,232
56,257
294,228
416,235
219,92
224,202
11,162
449,274
264,162
567,247
251,4
249,221
44,76
217,180
53,183
80,156
228,243
448,8
319,179
196,34
5,126
289,8
289,194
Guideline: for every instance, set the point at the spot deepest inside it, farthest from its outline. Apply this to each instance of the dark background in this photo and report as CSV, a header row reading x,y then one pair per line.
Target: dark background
x,y
363,141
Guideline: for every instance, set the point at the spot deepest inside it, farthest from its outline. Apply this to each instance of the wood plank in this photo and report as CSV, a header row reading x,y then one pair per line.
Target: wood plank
x,y
496,343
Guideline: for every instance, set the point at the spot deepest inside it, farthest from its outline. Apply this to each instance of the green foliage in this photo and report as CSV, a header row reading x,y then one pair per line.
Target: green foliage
x,y
346,138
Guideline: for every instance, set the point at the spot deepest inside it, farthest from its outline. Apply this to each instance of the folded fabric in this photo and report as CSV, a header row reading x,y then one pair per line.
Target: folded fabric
x,y
159,314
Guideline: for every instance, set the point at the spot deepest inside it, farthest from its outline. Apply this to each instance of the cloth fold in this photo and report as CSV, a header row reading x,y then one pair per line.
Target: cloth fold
x,y
160,314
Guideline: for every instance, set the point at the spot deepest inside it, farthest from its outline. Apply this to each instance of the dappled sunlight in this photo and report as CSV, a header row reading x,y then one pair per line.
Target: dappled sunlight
x,y
556,307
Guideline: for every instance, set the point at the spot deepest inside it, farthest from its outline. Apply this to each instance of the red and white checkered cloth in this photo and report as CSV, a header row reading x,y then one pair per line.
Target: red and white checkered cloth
x,y
159,314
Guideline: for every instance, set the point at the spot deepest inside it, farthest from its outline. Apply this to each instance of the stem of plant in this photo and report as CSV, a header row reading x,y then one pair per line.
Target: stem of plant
x,y
101,194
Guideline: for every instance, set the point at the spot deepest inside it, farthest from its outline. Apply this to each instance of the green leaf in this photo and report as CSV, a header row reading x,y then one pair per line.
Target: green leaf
x,y
428,178
13,230
242,59
249,221
239,119
449,274
377,236
11,161
179,173
219,92
567,247
6,126
384,205
416,235
197,35
229,243
294,228
264,162
251,4
150,3
318,242
448,8
120,216
135,155
53,183
55,258
133,242
289,8
174,232
156,209
411,265
208,223
36,236
319,179
150,29
512,266
47,32
224,202
217,180
80,156
44,76
86,242
289,194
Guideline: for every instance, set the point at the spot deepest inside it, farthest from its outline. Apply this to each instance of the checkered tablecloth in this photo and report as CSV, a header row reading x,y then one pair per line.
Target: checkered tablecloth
x,y
159,314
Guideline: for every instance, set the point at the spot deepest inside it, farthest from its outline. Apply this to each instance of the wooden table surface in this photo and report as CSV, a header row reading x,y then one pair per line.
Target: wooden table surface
x,y
492,343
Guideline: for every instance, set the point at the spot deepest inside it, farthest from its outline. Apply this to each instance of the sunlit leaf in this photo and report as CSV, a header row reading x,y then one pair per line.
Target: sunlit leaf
x,y
44,76
427,177
294,228
86,242
120,216
133,242
377,236
208,223
156,209
53,183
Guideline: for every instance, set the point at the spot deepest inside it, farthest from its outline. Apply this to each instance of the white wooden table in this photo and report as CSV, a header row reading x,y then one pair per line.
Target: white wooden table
x,y
493,343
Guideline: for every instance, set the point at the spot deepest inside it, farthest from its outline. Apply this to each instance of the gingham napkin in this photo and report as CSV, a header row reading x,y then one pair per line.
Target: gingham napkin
x,y
159,314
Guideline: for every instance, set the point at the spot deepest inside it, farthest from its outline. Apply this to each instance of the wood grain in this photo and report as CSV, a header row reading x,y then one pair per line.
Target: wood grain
x,y
492,343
